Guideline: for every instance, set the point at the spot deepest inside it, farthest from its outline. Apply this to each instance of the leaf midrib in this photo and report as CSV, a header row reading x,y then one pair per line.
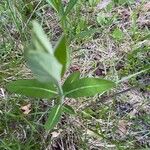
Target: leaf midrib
x,y
80,88
55,116
37,88
47,71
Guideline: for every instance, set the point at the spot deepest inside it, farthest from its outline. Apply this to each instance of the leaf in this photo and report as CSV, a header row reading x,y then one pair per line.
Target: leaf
x,y
44,66
68,109
95,134
57,5
55,134
53,4
73,77
86,33
87,87
54,117
32,88
118,34
61,53
70,6
40,40
104,19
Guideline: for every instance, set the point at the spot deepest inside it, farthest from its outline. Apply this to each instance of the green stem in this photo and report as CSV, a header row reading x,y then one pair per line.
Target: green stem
x,y
64,24
61,94
132,75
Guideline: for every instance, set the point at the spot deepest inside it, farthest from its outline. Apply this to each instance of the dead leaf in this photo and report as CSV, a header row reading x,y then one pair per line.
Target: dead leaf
x,y
103,4
26,109
55,134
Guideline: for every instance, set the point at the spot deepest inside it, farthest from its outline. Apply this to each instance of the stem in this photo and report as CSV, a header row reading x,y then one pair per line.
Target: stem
x,y
103,99
61,94
132,75
64,24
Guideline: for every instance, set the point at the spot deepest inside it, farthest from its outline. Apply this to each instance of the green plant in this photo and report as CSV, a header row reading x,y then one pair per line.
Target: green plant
x,y
118,34
93,2
49,66
62,11
136,61
123,2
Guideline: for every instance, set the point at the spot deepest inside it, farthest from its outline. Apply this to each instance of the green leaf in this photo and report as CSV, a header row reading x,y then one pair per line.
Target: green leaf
x,y
118,34
70,5
40,40
44,66
53,4
57,5
73,77
54,117
32,88
68,109
85,33
87,87
61,53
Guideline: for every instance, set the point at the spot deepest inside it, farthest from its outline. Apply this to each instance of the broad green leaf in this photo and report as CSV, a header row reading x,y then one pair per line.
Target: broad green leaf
x,y
70,6
87,87
73,77
32,88
54,117
61,53
44,66
40,40
68,109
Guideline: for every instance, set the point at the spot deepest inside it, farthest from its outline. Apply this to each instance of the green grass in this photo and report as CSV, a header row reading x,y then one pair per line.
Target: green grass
x,y
101,41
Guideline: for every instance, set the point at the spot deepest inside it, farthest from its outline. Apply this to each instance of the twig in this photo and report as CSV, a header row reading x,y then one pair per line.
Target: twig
x,y
104,98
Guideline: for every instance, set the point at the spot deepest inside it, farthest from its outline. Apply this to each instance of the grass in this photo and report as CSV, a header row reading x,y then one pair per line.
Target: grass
x,y
101,42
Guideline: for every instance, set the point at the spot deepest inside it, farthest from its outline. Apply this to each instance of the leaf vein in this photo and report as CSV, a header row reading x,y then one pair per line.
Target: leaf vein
x,y
80,88
37,88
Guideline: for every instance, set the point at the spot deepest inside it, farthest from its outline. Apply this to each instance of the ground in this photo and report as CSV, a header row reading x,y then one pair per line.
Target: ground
x,y
108,39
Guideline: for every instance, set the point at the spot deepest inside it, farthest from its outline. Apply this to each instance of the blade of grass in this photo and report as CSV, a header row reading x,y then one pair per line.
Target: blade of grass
x,y
132,75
